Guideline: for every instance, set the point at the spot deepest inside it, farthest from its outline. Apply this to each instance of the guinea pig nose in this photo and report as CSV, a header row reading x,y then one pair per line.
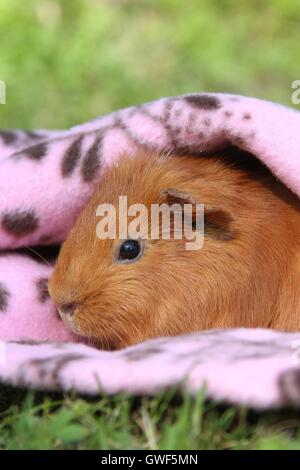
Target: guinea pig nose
x,y
68,308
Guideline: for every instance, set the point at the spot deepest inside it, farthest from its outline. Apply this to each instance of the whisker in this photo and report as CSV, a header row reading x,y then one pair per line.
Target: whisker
x,y
38,254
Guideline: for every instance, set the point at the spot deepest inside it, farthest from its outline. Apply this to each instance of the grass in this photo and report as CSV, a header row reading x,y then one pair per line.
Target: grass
x,y
67,61
164,422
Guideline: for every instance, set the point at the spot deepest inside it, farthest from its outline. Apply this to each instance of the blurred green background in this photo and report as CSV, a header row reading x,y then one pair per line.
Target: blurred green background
x,y
68,61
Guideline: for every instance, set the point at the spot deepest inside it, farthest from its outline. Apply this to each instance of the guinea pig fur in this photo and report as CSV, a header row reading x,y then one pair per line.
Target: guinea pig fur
x,y
245,275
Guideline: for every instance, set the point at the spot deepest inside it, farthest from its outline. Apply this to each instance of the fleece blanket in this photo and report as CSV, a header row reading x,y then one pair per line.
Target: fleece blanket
x,y
46,178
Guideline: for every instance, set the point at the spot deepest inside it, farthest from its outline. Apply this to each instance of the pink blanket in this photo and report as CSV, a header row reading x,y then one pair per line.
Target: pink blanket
x,y
46,178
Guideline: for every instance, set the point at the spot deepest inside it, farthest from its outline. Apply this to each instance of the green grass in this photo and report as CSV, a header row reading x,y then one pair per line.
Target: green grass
x,y
164,422
67,61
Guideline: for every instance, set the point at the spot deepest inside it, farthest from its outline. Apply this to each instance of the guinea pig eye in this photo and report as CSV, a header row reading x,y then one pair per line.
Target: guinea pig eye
x,y
129,250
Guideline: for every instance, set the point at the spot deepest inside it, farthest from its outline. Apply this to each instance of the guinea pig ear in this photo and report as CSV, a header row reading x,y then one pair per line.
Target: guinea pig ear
x,y
217,221
173,196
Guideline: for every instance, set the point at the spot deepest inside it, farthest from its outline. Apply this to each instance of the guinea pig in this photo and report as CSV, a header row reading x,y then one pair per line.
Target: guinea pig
x,y
118,292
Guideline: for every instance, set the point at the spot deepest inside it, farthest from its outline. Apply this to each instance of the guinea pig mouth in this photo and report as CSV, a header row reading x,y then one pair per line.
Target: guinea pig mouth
x,y
69,320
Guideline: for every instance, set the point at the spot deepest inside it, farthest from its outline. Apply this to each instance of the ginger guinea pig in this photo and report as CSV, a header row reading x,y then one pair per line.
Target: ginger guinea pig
x,y
119,292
